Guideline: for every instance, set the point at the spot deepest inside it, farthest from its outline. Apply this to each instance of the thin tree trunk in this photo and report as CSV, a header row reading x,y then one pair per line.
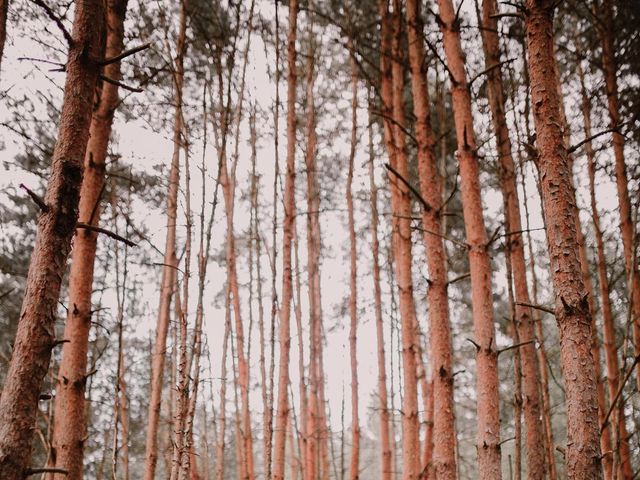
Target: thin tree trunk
x,y
488,403
386,465
534,440
124,420
572,306
608,320
287,288
393,108
170,261
311,456
222,411
627,227
69,411
443,464
35,337
354,467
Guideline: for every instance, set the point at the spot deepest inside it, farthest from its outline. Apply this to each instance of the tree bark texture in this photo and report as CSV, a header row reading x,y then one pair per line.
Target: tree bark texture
x,y
534,439
572,308
443,463
69,430
35,336
487,386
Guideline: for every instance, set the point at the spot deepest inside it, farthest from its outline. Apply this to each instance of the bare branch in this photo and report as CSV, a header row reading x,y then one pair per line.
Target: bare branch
x,y
517,345
108,233
36,198
35,471
125,54
537,307
488,70
120,84
56,19
415,192
605,422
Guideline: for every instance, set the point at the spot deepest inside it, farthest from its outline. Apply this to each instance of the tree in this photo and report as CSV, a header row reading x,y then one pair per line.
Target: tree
x,y
488,402
35,337
571,309
431,187
170,262
69,428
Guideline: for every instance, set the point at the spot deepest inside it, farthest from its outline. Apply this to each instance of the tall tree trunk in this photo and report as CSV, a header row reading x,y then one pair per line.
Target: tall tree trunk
x,y
170,262
572,308
354,467
124,419
69,418
222,411
386,463
4,10
443,463
392,80
488,403
282,414
311,454
35,337
608,321
627,227
534,440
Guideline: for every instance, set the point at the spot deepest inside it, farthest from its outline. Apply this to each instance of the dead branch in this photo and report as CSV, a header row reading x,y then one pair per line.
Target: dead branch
x,y
415,192
56,19
35,197
517,345
120,84
125,54
542,308
108,233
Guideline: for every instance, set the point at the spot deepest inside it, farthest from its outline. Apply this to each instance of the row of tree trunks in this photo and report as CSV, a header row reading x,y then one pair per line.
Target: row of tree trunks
x,y
572,308
443,462
35,337
627,229
535,456
282,413
488,401
69,417
392,83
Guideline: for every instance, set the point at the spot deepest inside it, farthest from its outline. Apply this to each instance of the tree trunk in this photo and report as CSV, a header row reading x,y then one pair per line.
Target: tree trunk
x,y
393,108
627,227
4,10
170,262
69,418
222,411
608,320
35,337
282,413
534,440
443,464
488,403
572,308
354,467
386,465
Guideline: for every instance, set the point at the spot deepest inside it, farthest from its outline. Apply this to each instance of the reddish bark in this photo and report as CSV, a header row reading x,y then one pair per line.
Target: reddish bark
x,y
572,309
488,403
627,228
608,320
170,262
392,81
443,464
386,461
69,418
56,226
534,440
282,413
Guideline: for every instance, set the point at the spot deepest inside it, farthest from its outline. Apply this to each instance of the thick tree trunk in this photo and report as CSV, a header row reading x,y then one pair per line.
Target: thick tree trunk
x,y
534,440
69,428
443,463
488,403
386,464
354,467
572,309
170,262
35,337
626,224
608,320
282,413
